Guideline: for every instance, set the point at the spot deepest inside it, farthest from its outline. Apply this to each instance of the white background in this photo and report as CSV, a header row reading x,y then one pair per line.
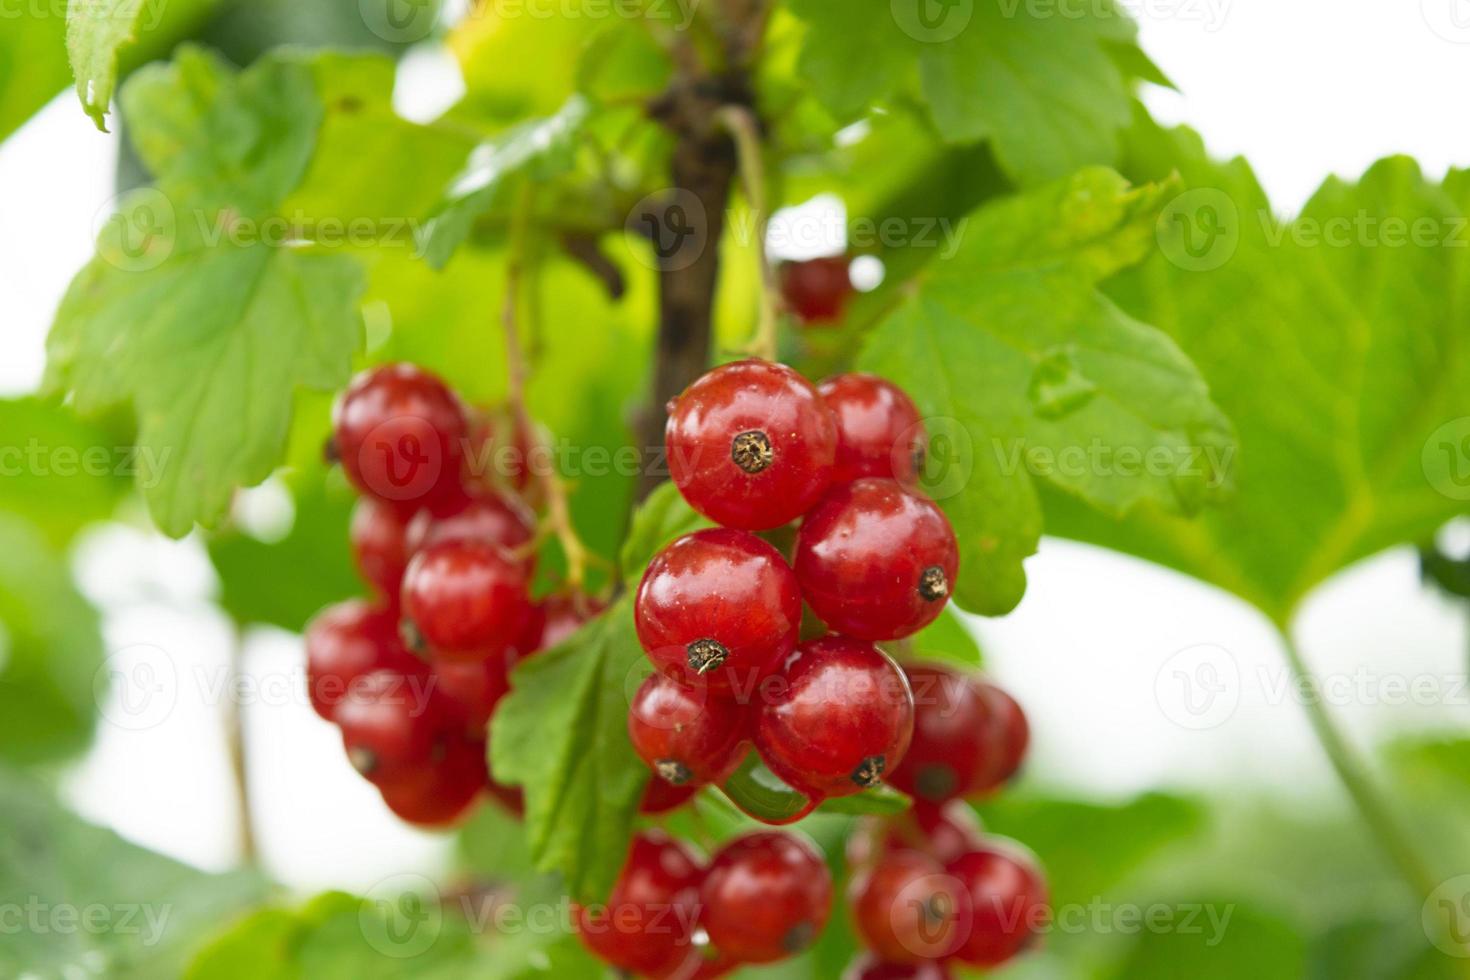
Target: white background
x,y
1303,88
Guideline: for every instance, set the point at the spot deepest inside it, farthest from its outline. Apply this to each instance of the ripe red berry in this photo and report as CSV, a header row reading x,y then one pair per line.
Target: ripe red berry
x,y
400,433
817,290
969,736
377,538
391,724
661,797
473,688
1009,897
871,968
766,896
646,926
347,641
908,909
751,445
876,561
443,790
487,516
879,432
686,735
840,717
465,599
718,609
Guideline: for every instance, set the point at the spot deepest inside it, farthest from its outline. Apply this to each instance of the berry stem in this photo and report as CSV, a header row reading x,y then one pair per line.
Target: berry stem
x,y
234,721
558,512
745,129
1393,837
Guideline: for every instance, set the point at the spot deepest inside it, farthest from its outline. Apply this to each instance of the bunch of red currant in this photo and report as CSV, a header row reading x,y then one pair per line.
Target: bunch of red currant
x,y
412,677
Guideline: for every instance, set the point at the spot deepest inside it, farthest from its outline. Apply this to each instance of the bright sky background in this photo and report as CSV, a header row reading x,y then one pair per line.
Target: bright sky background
x,y
1303,88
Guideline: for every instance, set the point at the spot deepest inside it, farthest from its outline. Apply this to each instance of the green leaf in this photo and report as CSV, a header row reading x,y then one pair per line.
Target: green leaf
x,y
562,735
1253,943
50,651
150,911
33,65
948,641
209,335
1025,372
1339,347
95,31
662,517
755,790
536,150
59,472
852,62
883,801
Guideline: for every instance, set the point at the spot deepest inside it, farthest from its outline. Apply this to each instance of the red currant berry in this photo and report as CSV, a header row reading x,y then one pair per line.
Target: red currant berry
x,y
465,599
969,736
377,538
442,791
871,968
751,445
391,725
840,717
647,924
879,432
473,688
817,290
908,909
875,561
346,641
662,797
765,897
1009,898
400,434
487,516
554,619
685,734
718,609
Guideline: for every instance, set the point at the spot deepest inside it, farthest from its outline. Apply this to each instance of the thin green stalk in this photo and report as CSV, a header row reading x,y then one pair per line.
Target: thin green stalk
x,y
745,130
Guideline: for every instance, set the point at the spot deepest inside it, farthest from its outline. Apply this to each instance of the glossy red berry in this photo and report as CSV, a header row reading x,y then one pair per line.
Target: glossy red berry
x,y
766,896
441,792
751,445
472,689
839,718
817,290
879,432
718,609
662,797
348,641
872,968
487,516
1009,898
686,735
908,909
392,725
400,433
646,927
465,599
969,736
876,561
378,547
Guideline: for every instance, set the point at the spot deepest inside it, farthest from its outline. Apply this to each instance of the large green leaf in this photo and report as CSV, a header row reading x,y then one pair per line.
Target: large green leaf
x,y
1253,942
1026,372
50,651
101,906
59,472
562,734
1338,343
33,65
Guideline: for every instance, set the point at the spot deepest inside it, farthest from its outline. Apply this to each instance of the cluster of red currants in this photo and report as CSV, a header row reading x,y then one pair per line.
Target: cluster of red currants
x,y
763,897
411,678
928,886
